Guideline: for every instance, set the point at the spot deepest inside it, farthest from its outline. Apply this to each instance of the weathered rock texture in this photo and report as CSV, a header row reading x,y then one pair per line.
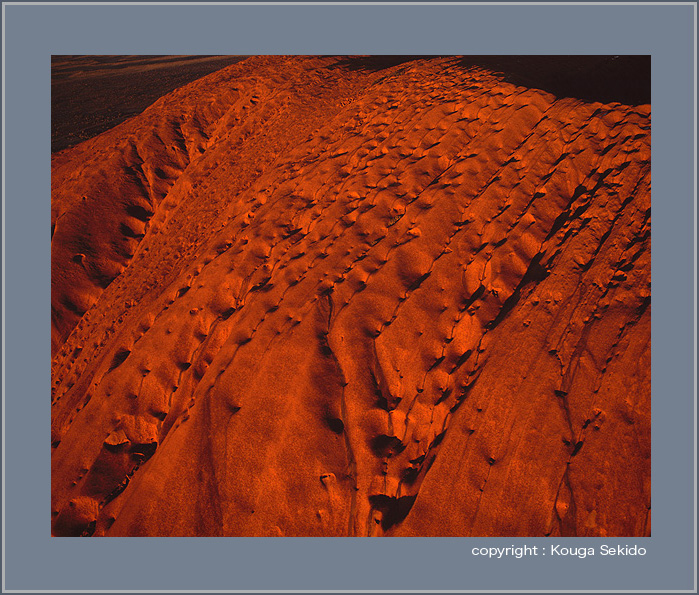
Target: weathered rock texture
x,y
304,296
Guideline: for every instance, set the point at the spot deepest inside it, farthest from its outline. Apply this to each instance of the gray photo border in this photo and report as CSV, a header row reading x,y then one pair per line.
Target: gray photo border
x,y
33,561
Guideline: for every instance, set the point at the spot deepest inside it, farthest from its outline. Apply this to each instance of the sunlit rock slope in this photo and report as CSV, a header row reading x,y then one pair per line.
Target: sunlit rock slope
x,y
328,297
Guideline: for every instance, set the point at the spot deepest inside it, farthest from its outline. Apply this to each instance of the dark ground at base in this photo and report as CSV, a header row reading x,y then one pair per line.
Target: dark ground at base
x,y
91,94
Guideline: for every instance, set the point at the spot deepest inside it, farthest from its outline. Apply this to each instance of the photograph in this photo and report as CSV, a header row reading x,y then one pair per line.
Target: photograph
x,y
350,296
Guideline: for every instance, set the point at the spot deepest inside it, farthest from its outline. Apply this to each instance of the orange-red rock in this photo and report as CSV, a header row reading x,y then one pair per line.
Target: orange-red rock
x,y
298,297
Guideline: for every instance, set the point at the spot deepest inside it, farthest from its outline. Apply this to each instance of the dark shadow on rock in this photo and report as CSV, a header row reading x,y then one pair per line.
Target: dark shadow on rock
x,y
607,79
394,510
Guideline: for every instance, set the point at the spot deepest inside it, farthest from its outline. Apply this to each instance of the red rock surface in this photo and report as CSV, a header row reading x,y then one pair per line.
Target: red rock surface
x,y
302,298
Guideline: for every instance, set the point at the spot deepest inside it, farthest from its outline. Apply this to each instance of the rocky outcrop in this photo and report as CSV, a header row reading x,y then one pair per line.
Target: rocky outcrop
x,y
303,296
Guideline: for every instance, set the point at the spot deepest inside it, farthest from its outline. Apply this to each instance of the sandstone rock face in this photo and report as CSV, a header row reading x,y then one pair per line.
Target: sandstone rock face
x,y
300,298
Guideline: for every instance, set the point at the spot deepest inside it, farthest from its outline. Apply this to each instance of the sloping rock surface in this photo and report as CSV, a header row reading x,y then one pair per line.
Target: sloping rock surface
x,y
299,297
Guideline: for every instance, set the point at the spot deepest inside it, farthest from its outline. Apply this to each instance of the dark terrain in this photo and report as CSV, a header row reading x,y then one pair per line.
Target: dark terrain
x,y
91,94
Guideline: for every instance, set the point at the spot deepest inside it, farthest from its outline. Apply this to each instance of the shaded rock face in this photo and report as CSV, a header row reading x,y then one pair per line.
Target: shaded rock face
x,y
298,297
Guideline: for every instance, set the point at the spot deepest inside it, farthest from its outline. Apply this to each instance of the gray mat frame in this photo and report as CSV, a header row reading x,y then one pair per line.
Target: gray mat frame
x,y
34,561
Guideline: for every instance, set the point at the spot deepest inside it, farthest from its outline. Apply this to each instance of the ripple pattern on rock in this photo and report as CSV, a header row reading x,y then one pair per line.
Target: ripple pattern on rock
x,y
298,298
